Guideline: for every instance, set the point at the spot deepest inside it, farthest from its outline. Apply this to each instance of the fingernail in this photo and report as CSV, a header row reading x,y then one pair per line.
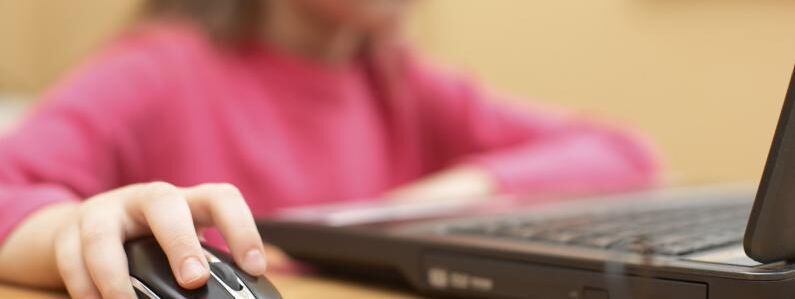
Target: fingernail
x,y
192,269
254,262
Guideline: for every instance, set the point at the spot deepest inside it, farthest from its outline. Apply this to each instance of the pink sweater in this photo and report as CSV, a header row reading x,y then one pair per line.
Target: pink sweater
x,y
166,104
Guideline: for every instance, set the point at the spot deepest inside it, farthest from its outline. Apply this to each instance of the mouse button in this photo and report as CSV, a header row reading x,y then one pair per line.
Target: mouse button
x,y
141,290
142,295
227,275
148,266
262,288
157,278
146,260
163,288
216,290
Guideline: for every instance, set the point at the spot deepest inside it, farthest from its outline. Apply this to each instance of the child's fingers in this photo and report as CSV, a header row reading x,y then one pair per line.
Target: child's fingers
x,y
169,217
230,213
103,253
70,263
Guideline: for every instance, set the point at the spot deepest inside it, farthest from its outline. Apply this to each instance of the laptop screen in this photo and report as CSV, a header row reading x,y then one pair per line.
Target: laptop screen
x,y
770,235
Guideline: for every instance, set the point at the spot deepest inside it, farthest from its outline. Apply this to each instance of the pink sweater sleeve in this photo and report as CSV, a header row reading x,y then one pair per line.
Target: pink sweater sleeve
x,y
84,121
534,149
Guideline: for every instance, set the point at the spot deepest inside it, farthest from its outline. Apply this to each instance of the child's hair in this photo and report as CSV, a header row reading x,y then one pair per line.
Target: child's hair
x,y
231,21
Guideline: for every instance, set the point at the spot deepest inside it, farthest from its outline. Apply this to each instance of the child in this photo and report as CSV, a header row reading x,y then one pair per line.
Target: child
x,y
285,103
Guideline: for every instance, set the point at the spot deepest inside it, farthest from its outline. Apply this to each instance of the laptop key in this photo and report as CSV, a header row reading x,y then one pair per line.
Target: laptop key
x,y
603,241
677,231
559,237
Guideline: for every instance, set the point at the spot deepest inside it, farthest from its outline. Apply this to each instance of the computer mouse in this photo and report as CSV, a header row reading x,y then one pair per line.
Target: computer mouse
x,y
151,276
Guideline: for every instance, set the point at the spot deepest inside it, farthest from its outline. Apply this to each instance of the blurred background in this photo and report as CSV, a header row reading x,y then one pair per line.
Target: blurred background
x,y
704,78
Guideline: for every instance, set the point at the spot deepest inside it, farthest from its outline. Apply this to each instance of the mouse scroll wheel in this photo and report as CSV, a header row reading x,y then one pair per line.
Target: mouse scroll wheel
x,y
227,275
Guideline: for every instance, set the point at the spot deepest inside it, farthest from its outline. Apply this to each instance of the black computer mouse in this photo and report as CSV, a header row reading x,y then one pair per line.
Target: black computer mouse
x,y
151,276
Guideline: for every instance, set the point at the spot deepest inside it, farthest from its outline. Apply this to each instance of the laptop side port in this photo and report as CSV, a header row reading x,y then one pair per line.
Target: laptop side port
x,y
470,276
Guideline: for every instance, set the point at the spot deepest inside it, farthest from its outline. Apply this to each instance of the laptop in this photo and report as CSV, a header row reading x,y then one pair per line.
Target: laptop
x,y
718,242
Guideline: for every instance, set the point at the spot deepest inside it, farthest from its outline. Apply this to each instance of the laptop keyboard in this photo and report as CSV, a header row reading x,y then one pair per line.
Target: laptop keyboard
x,y
673,232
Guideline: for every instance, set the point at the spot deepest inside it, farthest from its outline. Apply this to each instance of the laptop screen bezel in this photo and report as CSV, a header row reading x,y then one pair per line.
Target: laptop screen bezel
x,y
770,234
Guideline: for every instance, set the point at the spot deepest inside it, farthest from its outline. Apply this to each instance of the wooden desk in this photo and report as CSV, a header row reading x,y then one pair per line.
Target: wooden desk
x,y
16,292
291,286
286,275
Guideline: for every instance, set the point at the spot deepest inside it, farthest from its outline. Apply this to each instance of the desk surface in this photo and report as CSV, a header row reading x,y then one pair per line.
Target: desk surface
x,y
283,274
291,286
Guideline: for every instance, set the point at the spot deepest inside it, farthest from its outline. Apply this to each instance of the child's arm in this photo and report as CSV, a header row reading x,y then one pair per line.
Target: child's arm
x,y
27,253
461,182
51,237
58,225
523,149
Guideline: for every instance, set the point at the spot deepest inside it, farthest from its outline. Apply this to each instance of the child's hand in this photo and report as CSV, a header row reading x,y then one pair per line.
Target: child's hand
x,y
89,249
461,182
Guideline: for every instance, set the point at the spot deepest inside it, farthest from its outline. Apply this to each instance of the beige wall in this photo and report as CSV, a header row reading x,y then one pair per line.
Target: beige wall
x,y
41,38
703,77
